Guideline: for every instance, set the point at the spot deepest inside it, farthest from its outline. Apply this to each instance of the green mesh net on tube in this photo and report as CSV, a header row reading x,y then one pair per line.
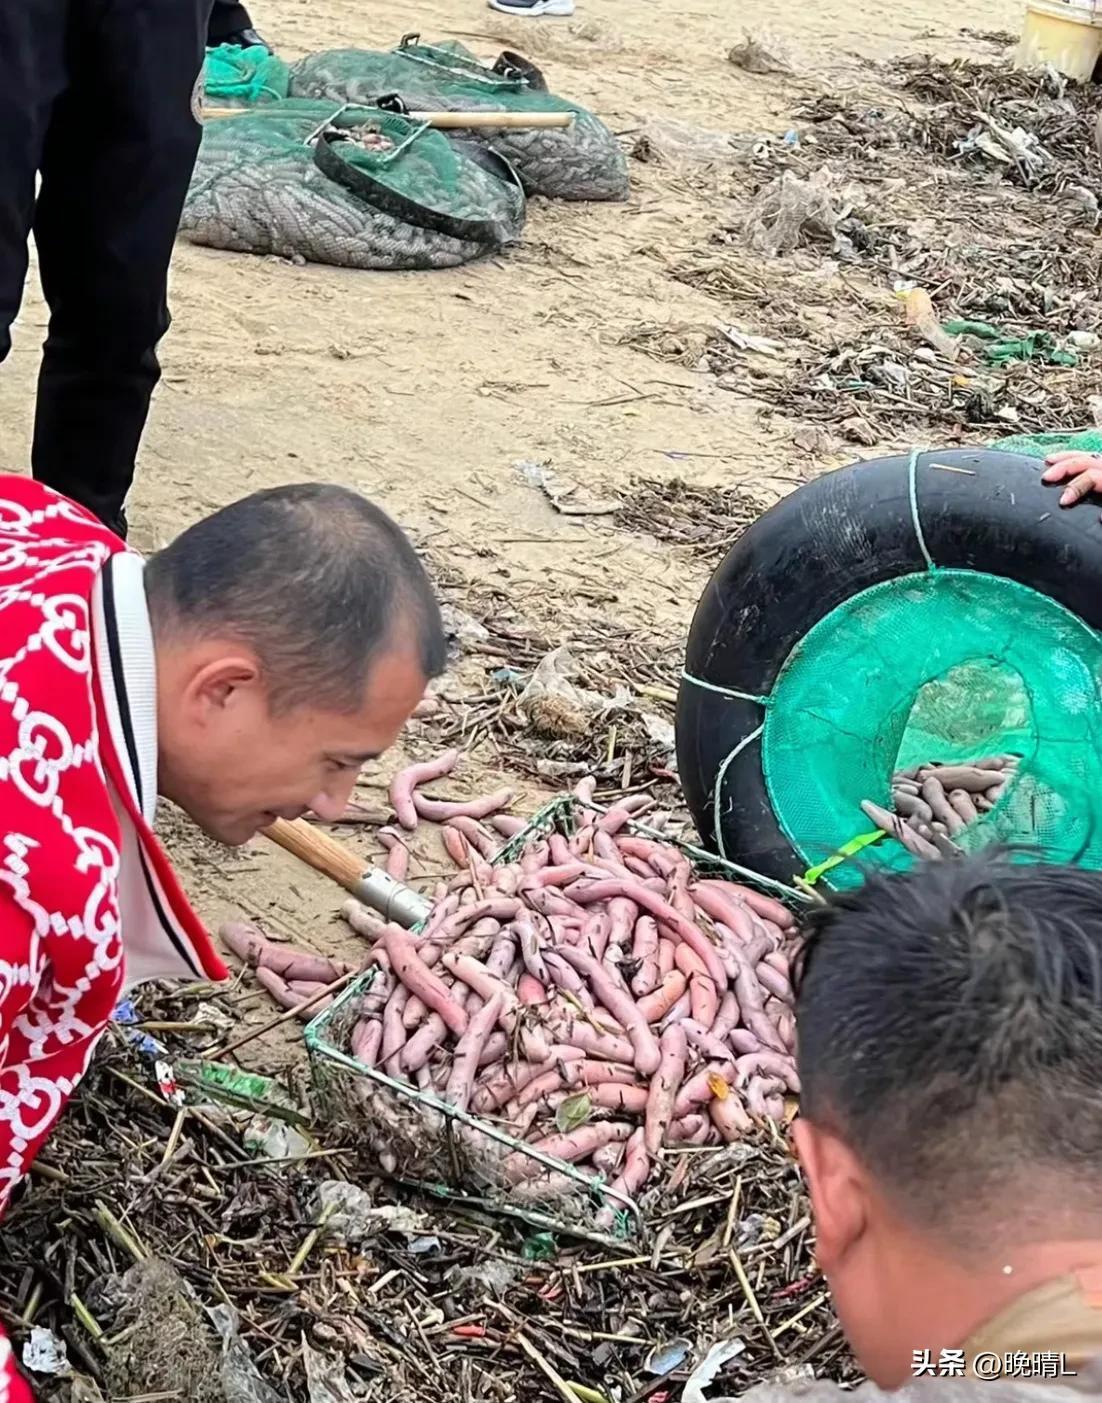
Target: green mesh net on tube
x,y
949,666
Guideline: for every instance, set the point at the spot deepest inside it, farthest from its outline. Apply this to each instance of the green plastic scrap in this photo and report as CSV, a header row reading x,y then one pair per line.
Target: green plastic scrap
x,y
248,1091
850,849
984,331
1001,348
540,1247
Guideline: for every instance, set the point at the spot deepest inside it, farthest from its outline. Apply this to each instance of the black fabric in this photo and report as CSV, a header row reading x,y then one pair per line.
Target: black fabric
x,y
227,19
98,99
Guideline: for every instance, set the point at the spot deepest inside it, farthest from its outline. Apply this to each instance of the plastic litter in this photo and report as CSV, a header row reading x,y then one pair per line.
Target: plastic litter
x,y
221,1023
272,1139
492,1277
352,1214
125,1016
167,1084
241,1380
669,142
999,346
790,211
705,1372
663,1358
553,703
326,1381
660,732
921,316
1006,146
46,1353
562,769
762,52
540,1247
461,628
746,341
249,1091
422,1246
568,498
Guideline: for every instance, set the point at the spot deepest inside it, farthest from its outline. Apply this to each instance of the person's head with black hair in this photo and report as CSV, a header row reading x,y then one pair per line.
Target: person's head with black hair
x,y
950,1054
294,633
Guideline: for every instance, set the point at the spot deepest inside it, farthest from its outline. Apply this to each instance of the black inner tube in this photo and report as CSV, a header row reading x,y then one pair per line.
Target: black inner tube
x,y
828,541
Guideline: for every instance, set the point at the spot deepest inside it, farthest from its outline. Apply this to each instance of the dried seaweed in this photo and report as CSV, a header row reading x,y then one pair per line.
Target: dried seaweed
x,y
1008,240
705,520
619,749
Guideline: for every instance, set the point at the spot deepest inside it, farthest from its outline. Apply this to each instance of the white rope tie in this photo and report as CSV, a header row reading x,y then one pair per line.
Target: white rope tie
x,y
912,489
732,692
721,775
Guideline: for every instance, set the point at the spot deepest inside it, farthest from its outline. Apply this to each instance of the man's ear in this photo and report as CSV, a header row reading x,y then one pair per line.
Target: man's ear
x,y
838,1184
218,681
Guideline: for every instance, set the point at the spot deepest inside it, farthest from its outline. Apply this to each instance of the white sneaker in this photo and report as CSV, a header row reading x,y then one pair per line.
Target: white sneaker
x,y
532,8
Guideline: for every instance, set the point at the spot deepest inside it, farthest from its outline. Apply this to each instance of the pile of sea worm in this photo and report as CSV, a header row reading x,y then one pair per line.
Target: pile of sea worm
x,y
934,804
594,997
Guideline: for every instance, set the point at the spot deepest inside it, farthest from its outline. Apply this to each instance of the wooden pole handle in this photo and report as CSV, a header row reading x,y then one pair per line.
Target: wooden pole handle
x,y
459,120
321,852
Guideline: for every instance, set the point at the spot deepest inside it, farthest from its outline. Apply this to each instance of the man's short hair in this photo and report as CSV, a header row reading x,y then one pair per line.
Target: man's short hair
x,y
950,1031
316,579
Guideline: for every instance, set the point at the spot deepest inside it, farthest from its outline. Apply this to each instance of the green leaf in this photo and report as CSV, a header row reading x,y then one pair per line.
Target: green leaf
x,y
572,1112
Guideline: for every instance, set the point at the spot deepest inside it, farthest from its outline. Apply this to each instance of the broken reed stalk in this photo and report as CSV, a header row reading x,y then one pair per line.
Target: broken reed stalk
x,y
218,1052
119,1235
544,1365
85,1316
310,1241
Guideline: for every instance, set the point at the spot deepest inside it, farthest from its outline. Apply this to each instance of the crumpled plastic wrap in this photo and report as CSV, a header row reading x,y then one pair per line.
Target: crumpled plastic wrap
x,y
554,703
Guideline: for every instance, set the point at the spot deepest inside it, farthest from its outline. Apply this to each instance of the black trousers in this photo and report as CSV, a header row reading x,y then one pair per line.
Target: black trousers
x,y
227,17
96,97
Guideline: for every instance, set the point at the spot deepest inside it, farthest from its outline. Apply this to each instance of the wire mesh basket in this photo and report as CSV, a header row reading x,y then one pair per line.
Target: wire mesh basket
x,y
419,1139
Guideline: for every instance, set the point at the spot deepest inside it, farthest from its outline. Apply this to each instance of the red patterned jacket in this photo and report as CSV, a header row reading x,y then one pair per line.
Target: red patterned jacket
x,y
88,901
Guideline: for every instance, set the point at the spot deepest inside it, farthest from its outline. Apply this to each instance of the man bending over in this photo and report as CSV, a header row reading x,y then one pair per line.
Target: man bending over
x,y
246,672
950,1052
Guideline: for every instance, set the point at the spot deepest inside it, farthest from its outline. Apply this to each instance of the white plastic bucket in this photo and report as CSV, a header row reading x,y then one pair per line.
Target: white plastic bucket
x,y
1062,34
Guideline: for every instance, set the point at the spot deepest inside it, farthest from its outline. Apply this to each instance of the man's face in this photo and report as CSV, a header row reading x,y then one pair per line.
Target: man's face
x,y
861,1258
234,767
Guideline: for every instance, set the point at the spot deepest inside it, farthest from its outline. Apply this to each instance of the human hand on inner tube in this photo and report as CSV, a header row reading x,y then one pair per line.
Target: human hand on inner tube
x,y
1081,471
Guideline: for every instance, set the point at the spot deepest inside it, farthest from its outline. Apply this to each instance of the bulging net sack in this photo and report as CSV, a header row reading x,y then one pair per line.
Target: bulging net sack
x,y
343,185
948,666
580,162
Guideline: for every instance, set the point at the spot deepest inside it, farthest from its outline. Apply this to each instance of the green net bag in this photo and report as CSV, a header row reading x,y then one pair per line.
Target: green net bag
x,y
236,77
580,162
989,666
354,187
1041,445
